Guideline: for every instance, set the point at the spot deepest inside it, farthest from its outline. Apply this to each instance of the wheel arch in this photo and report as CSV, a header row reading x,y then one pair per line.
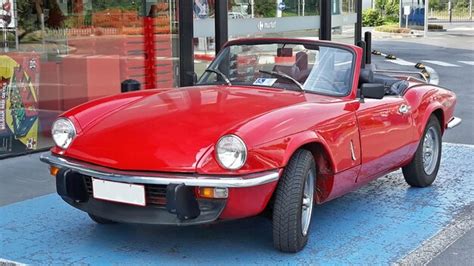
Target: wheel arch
x,y
439,113
323,158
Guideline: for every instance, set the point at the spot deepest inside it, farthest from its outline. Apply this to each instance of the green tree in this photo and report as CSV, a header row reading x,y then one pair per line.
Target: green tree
x,y
371,18
265,8
27,22
462,5
435,5
98,5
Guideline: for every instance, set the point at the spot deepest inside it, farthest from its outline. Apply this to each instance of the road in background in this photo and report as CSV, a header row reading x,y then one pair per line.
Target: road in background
x,y
451,55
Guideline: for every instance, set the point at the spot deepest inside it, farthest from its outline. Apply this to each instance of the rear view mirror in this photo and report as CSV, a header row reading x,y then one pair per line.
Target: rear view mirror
x,y
285,52
372,91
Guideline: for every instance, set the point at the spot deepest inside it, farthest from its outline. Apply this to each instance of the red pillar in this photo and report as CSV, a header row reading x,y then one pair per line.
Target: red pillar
x,y
150,53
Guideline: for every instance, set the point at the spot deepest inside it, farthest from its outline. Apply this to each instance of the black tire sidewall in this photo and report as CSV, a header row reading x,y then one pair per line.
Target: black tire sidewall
x,y
414,172
433,123
285,203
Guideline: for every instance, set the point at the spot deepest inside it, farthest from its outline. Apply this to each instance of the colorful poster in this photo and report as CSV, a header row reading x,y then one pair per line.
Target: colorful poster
x,y
18,104
7,16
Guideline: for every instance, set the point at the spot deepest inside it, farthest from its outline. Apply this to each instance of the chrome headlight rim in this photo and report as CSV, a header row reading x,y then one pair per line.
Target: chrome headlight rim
x,y
70,134
244,152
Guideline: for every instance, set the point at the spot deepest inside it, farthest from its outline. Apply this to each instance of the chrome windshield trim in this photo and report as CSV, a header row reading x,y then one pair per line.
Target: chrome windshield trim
x,y
104,173
454,122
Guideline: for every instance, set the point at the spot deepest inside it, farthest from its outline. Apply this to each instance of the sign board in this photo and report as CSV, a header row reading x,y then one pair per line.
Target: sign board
x,y
281,6
201,9
412,14
19,111
406,10
7,15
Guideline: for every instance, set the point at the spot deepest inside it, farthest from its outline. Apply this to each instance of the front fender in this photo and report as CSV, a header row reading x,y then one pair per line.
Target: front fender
x,y
301,139
274,154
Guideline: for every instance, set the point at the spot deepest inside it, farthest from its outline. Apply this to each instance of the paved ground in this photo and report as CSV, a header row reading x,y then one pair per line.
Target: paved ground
x,y
384,222
378,224
451,55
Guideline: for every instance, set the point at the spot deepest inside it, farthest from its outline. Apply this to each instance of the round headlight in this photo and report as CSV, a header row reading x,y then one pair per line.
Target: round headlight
x,y
63,132
231,152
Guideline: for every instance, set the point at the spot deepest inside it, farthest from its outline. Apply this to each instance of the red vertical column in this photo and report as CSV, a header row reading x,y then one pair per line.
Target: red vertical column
x,y
150,53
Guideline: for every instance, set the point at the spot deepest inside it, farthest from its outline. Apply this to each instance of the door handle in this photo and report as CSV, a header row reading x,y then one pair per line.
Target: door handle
x,y
403,109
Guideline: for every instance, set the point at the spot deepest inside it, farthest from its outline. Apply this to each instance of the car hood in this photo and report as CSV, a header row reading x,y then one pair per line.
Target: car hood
x,y
171,130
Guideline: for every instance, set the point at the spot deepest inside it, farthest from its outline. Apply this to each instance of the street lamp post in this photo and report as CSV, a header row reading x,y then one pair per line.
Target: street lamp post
x,y
450,11
252,8
470,9
426,18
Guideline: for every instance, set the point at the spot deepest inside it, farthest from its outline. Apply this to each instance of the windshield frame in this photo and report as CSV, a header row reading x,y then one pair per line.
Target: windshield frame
x,y
310,44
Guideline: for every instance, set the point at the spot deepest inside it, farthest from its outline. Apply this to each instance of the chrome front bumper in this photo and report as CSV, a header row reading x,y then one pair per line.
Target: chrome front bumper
x,y
104,173
454,122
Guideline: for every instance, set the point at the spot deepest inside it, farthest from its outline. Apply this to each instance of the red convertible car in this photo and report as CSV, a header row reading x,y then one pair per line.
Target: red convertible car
x,y
274,125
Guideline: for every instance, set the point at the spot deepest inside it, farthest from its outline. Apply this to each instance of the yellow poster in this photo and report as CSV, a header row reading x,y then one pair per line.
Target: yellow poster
x,y
18,103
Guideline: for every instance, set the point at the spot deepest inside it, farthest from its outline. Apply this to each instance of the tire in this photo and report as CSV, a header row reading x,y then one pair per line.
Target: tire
x,y
420,173
100,220
289,234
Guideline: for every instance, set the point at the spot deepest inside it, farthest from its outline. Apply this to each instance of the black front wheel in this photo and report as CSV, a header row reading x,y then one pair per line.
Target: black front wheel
x,y
293,205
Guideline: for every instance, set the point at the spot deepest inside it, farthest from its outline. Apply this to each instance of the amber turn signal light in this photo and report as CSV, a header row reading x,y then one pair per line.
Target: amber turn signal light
x,y
213,192
53,170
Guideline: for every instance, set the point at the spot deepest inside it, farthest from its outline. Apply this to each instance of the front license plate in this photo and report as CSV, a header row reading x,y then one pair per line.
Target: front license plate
x,y
119,192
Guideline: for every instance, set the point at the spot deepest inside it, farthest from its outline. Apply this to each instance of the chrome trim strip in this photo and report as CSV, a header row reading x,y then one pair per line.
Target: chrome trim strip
x,y
352,151
104,173
454,122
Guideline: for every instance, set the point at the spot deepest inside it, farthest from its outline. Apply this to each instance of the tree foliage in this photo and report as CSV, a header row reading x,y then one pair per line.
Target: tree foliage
x,y
98,5
371,18
462,5
386,11
27,22
265,8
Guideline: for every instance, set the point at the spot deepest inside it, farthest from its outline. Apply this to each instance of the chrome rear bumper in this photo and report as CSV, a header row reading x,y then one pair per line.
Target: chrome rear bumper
x,y
104,173
454,122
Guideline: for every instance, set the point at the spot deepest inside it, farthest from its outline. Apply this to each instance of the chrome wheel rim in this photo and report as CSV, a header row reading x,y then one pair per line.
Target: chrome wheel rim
x,y
307,202
430,150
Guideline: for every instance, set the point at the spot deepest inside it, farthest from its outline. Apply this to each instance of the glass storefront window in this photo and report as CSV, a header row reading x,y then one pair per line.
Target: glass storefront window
x,y
344,17
58,54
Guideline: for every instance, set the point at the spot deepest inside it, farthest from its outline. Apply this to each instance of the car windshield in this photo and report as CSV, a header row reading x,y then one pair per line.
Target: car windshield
x,y
312,68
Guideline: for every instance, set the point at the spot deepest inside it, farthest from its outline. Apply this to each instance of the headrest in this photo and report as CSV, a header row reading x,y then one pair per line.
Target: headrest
x,y
302,60
366,76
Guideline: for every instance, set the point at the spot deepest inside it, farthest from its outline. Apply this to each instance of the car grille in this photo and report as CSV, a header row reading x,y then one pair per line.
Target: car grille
x,y
155,195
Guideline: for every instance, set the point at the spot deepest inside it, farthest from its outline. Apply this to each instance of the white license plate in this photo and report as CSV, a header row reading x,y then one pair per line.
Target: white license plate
x,y
119,192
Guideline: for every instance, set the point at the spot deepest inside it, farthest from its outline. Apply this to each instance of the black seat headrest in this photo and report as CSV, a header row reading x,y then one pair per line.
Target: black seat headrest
x,y
366,76
301,60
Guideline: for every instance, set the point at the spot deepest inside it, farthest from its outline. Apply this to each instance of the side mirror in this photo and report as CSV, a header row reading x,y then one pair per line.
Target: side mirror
x,y
372,91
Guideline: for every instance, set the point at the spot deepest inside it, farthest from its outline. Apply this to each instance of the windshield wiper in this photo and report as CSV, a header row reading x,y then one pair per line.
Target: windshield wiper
x,y
222,75
283,76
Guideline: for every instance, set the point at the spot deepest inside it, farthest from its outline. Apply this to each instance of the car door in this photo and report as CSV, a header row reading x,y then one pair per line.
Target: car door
x,y
385,128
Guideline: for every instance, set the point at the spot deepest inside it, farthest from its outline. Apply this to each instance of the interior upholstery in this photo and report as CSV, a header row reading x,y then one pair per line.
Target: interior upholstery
x,y
393,86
